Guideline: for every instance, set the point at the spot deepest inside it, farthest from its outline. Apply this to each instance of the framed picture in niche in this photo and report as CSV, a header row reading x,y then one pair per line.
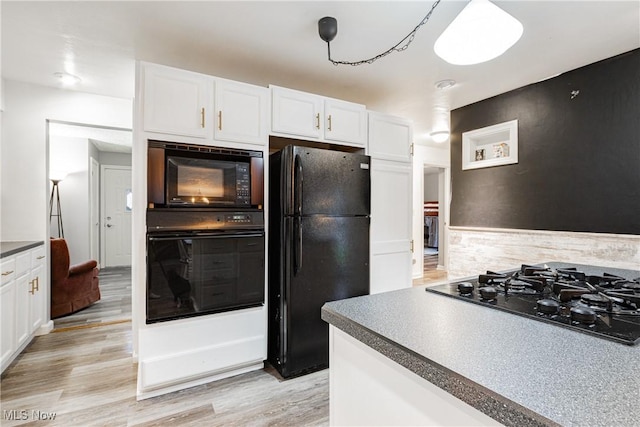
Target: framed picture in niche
x,y
494,145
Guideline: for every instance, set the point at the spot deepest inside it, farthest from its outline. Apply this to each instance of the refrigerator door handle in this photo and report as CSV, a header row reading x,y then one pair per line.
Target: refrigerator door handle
x,y
297,182
298,246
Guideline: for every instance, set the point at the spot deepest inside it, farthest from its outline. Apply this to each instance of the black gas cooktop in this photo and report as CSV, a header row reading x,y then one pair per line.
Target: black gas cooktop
x,y
590,299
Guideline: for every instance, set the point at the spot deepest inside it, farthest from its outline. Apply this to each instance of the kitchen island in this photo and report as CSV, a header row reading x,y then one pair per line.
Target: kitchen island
x,y
416,357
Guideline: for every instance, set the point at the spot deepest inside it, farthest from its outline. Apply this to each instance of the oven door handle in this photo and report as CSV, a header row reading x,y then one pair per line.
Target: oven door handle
x,y
207,236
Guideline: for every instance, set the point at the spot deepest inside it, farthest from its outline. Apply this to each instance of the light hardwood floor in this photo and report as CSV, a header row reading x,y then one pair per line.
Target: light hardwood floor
x,y
114,304
84,373
431,275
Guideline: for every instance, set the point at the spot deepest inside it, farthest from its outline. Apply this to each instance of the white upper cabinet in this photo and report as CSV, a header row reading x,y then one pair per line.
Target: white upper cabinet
x,y
390,137
177,102
241,112
310,116
345,122
296,113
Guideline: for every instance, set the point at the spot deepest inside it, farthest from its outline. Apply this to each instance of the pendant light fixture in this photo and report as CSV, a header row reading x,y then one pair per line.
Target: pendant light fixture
x,y
480,33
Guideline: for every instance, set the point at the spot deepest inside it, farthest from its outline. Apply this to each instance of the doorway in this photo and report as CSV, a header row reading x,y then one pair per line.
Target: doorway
x,y
117,204
81,154
433,223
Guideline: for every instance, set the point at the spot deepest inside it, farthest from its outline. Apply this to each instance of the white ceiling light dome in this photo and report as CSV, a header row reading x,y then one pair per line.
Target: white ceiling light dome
x,y
439,136
480,33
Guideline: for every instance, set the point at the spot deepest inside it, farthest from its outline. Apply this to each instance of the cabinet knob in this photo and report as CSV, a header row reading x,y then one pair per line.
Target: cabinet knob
x,y
6,273
202,117
219,119
329,119
318,121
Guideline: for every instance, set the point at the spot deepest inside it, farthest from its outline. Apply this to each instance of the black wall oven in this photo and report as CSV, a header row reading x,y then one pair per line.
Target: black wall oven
x,y
205,230
187,175
194,271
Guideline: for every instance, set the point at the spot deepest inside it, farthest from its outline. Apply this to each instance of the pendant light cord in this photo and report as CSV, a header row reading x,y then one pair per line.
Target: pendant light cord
x,y
399,47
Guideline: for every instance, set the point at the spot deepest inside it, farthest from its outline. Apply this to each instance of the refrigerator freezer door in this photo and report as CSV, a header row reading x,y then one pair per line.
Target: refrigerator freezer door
x,y
324,182
329,260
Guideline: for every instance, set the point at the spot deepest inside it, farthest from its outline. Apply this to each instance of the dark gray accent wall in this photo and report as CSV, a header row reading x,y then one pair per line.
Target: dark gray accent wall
x,y
579,158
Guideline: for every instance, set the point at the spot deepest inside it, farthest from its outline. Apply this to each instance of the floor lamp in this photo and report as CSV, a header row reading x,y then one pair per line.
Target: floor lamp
x,y
56,191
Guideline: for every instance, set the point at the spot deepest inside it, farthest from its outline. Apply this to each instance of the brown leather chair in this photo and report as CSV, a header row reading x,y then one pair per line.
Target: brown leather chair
x,y
72,287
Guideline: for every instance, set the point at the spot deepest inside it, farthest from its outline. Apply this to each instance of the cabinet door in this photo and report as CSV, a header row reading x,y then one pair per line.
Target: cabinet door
x,y
391,213
296,113
345,122
390,137
177,102
7,321
241,112
37,285
23,303
36,298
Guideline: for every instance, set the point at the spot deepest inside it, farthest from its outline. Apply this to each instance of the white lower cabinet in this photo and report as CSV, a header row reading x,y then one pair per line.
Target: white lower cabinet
x,y
22,301
7,322
367,388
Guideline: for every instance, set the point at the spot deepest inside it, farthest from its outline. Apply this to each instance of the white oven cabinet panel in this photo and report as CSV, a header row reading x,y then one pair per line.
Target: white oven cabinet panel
x,y
367,388
241,112
7,317
345,122
390,137
391,214
177,102
177,354
296,113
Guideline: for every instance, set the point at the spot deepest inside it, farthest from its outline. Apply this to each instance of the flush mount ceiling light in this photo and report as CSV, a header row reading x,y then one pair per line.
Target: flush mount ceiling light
x,y
439,135
328,29
445,84
481,32
67,79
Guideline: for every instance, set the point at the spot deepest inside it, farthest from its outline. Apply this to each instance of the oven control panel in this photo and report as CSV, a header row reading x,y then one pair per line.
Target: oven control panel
x,y
237,218
202,219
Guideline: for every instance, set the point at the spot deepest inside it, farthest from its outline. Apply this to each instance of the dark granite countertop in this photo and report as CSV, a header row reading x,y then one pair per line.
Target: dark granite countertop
x,y
516,370
12,248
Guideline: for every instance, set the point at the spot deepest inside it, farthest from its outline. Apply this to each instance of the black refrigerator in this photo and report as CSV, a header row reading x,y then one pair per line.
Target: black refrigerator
x,y
320,201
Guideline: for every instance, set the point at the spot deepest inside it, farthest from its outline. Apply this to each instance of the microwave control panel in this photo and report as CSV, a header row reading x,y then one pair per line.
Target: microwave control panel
x,y
243,184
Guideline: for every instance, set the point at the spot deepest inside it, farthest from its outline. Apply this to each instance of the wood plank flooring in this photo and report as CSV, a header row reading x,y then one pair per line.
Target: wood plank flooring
x,y
83,372
114,304
431,275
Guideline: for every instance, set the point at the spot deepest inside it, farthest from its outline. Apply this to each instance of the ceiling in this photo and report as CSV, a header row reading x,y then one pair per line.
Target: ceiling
x,y
268,42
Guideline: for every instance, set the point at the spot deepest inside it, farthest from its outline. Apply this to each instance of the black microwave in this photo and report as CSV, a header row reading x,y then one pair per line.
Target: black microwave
x,y
189,175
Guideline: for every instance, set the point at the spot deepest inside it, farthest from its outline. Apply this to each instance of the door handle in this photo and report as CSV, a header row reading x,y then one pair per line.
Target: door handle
x,y
298,247
109,225
298,178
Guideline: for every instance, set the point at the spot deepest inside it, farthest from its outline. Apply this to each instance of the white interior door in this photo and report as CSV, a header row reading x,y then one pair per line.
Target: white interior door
x,y
116,215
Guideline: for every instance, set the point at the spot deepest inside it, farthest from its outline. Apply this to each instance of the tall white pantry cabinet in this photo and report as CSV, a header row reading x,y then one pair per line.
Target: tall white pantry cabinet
x,y
183,106
390,140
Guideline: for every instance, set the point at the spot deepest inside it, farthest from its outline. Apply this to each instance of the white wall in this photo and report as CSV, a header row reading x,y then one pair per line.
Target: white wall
x,y
24,172
117,159
430,186
71,155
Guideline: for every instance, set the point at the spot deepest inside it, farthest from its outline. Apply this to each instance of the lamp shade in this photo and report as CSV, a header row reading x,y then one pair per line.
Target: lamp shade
x,y
480,33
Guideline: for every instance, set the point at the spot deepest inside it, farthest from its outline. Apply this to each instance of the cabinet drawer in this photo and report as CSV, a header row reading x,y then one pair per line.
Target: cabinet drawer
x,y
23,263
8,269
37,256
